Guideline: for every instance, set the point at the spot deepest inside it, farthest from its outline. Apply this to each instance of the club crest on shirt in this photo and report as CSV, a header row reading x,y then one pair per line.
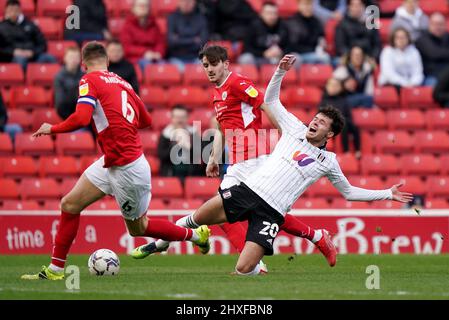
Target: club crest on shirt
x,y
84,89
224,95
252,92
302,159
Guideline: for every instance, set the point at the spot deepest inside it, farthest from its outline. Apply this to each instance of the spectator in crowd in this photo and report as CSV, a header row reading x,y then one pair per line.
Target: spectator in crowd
x,y
187,33
21,41
93,24
326,10
400,62
141,37
434,48
441,90
306,35
119,65
267,37
175,149
356,74
66,83
352,31
229,19
334,95
410,17
11,128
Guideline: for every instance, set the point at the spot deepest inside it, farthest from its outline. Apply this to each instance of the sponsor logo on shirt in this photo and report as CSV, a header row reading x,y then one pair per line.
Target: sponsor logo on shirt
x,y
84,89
252,92
302,159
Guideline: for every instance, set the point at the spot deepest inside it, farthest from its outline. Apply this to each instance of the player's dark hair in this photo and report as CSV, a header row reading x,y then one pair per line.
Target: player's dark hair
x,y
93,50
12,3
214,54
338,121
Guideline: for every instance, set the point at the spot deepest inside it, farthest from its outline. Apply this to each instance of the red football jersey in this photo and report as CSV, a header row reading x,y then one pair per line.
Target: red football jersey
x,y
236,103
116,115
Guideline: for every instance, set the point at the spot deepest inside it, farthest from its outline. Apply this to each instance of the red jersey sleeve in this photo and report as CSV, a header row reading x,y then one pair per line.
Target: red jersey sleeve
x,y
87,92
245,90
144,117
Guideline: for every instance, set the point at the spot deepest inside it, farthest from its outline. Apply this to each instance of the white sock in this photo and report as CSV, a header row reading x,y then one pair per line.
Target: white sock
x,y
162,244
318,235
195,236
255,272
187,222
54,268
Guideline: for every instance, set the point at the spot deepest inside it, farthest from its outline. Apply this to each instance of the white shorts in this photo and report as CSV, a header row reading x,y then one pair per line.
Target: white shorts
x,y
239,172
130,184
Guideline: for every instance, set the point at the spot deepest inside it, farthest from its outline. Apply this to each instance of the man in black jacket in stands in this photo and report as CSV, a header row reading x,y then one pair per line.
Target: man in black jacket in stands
x,y
119,65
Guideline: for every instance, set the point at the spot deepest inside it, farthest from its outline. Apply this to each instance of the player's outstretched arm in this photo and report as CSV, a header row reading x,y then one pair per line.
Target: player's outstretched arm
x,y
79,119
400,196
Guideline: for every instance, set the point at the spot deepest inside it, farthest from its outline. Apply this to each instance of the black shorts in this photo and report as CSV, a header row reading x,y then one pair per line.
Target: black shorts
x,y
241,203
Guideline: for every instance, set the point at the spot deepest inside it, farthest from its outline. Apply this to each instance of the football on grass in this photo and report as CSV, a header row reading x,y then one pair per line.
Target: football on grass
x,y
103,262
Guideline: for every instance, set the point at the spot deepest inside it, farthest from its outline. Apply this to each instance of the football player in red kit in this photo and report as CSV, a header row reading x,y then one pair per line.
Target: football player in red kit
x,y
116,113
238,105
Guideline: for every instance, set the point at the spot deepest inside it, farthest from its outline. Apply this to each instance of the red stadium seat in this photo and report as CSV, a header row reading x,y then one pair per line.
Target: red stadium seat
x,y
115,25
202,188
27,145
311,203
444,163
42,74
389,6
52,205
418,97
18,167
21,205
44,115
11,74
348,163
155,164
166,188
387,204
75,144
162,74
192,97
380,164
412,184
422,164
384,31
204,116
329,33
405,119
5,144
432,6
303,97
184,204
157,204
287,8
58,48
53,8
315,74
438,187
86,161
20,117
163,7
161,118
124,7
153,97
247,70
194,75
67,185
437,119
386,97
58,167
104,204
255,4
51,28
9,189
30,97
39,189
393,142
432,142
341,203
150,140
373,182
436,203
322,188
267,71
370,119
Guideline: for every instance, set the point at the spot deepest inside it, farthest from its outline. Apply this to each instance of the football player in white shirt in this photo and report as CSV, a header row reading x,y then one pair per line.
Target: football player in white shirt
x,y
298,160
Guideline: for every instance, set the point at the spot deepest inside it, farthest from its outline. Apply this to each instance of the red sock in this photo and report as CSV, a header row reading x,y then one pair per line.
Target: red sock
x,y
68,227
165,230
236,234
295,227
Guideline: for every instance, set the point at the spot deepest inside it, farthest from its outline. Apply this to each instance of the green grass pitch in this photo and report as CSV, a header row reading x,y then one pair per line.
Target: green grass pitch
x,y
208,277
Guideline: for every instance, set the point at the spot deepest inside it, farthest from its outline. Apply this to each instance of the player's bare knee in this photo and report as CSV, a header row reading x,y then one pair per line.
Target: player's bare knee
x,y
245,267
70,206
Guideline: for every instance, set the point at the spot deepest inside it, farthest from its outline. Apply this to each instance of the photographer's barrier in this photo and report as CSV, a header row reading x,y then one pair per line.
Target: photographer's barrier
x,y
355,231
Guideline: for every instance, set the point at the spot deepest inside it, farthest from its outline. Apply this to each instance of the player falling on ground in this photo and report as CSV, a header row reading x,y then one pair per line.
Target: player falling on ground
x,y
298,160
238,104
122,171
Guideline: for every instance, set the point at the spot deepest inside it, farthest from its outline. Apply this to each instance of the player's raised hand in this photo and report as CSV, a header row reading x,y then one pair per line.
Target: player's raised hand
x,y
287,62
212,170
401,196
44,130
